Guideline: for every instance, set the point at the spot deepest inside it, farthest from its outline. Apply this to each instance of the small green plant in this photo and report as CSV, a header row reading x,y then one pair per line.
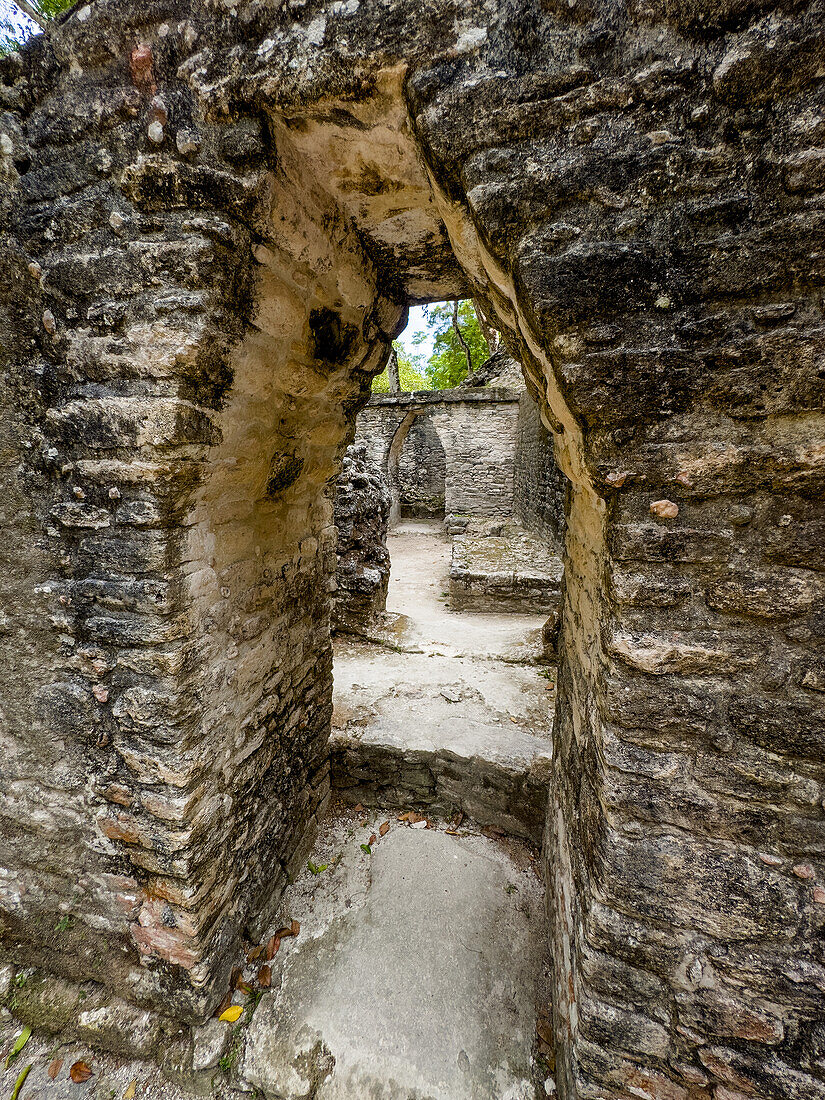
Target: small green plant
x,y
64,924
366,848
316,868
20,980
229,1059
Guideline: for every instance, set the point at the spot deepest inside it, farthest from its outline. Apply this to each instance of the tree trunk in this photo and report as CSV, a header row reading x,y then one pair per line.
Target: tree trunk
x,y
461,339
392,372
31,12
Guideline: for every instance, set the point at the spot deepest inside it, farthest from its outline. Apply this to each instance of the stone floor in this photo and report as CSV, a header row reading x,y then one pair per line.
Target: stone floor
x,y
449,712
414,976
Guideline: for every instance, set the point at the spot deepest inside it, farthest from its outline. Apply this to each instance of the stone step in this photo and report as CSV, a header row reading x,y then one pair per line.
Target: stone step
x,y
415,973
497,775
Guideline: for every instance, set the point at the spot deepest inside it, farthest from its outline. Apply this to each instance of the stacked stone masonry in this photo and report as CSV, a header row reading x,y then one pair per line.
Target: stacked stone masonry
x,y
361,517
213,220
539,486
471,434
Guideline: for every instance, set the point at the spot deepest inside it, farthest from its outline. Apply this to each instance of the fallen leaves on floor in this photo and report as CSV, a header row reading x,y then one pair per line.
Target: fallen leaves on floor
x,y
372,840
129,1094
384,828
411,817
272,948
20,1042
316,868
55,1067
265,976
80,1072
366,848
232,1014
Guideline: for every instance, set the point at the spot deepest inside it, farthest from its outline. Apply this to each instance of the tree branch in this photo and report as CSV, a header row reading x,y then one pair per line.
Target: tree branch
x,y
461,339
31,12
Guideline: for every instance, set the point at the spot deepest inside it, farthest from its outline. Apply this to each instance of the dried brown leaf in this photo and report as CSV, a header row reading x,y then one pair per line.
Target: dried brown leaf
x,y
359,809
255,953
384,828
131,1088
372,840
225,1003
265,977
80,1072
243,986
545,1032
295,928
272,948
55,1067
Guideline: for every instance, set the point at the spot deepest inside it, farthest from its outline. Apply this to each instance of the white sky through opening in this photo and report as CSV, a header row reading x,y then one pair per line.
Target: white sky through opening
x,y
416,323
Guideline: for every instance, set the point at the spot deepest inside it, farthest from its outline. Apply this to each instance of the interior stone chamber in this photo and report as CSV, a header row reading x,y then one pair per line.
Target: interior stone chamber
x,y
214,218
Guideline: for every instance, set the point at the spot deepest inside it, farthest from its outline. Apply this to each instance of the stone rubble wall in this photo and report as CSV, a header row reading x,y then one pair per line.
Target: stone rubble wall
x,y
422,471
502,567
361,518
654,199
539,486
510,796
190,339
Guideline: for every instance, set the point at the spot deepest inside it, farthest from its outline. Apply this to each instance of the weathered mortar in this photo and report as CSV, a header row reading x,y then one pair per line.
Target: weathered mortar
x,y
637,195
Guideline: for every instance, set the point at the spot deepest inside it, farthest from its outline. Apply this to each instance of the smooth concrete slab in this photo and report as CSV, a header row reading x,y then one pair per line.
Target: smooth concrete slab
x,y
416,983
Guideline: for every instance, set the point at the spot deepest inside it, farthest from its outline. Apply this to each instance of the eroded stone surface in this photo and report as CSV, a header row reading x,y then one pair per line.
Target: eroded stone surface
x,y
634,192
423,987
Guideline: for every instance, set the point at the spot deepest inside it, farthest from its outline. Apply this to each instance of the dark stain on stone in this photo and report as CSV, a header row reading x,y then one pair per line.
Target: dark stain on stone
x,y
208,380
284,470
334,338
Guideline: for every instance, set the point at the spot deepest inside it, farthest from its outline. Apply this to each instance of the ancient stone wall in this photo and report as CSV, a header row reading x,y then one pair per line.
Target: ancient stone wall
x,y
477,431
192,335
650,206
361,517
200,206
539,486
422,471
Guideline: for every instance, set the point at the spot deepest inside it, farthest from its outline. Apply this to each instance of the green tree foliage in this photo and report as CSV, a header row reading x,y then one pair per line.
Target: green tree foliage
x,y
411,374
447,366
